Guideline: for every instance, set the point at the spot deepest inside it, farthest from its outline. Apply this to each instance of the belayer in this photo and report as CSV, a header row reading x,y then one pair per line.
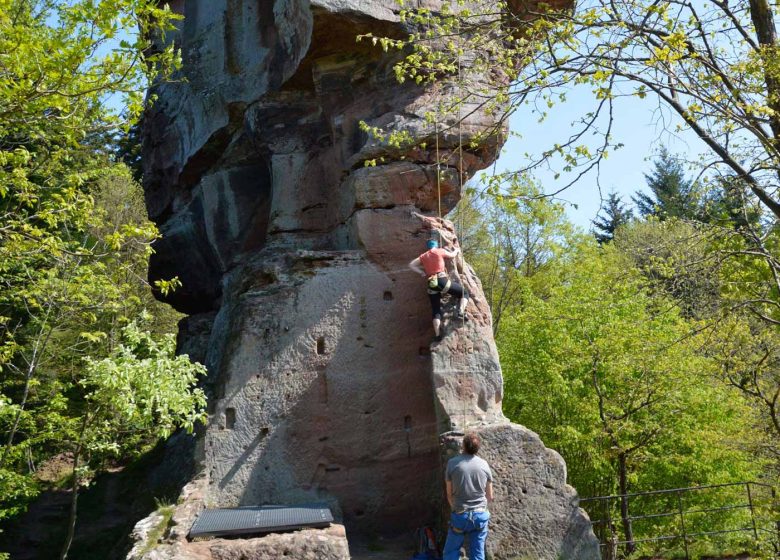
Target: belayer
x,y
431,265
469,490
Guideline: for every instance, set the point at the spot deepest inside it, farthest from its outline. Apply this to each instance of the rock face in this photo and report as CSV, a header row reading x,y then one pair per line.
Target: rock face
x,y
293,260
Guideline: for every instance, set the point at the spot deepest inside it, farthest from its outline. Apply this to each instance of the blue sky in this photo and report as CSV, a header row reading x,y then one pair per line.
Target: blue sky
x,y
638,124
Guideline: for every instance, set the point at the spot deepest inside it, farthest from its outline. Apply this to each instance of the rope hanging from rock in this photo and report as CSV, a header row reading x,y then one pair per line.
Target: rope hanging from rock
x,y
459,230
462,267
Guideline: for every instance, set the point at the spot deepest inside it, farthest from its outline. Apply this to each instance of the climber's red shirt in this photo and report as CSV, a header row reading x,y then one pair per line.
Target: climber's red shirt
x,y
433,261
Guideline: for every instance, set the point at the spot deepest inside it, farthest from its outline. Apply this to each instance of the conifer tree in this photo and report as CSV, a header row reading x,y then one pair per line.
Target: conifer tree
x,y
672,195
615,215
731,203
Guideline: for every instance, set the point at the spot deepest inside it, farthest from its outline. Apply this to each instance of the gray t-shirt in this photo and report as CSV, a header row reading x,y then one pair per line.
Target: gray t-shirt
x,y
470,476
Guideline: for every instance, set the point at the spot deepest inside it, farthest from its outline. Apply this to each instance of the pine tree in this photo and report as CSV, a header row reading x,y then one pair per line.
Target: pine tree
x,y
732,204
672,195
616,214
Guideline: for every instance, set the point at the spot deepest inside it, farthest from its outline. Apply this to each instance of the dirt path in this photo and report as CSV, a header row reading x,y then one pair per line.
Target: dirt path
x,y
399,548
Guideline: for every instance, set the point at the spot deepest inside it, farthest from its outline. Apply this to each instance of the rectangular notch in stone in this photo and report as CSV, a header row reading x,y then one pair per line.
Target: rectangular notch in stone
x,y
321,345
230,418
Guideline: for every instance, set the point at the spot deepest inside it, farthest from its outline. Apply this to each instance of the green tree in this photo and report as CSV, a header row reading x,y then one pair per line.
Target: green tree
x,y
672,195
714,66
616,215
612,376
141,390
510,239
69,278
676,259
719,275
730,203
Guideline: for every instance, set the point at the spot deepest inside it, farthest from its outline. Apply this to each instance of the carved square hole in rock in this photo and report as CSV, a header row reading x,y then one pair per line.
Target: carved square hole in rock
x,y
321,345
388,295
230,418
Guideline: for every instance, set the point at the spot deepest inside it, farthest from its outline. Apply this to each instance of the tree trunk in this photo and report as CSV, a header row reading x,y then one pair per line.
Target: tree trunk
x,y
624,514
74,489
763,20
15,425
31,367
38,348
73,506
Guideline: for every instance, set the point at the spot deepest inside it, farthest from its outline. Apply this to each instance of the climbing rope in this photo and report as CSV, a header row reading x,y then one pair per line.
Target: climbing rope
x,y
438,166
460,168
460,185
462,268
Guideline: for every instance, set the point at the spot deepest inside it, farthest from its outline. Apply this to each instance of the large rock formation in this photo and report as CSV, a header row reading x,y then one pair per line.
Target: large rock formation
x,y
293,260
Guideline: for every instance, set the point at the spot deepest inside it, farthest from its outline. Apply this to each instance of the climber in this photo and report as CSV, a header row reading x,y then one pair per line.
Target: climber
x,y
469,489
431,265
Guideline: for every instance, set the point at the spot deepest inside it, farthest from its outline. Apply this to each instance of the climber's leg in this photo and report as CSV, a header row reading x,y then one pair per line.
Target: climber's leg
x,y
435,298
457,291
462,305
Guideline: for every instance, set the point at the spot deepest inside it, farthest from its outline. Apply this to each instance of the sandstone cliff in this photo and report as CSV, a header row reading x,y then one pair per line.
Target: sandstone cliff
x,y
292,254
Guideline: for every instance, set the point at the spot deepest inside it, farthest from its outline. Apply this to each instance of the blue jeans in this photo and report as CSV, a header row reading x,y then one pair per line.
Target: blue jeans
x,y
473,524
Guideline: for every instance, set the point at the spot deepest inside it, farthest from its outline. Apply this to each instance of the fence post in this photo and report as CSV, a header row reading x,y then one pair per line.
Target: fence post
x,y
752,513
682,524
611,545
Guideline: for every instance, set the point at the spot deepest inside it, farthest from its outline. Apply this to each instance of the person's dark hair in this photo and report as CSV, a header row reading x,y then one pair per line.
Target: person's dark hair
x,y
471,443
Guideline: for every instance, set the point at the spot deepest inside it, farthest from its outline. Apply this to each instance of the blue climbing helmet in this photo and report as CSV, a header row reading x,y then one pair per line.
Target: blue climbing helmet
x,y
432,244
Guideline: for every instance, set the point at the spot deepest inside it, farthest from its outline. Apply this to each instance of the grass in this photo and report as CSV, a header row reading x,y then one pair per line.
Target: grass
x,y
152,539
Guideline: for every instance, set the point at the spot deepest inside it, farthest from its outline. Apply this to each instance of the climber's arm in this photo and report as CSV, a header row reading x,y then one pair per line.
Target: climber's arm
x,y
449,493
417,266
451,253
489,491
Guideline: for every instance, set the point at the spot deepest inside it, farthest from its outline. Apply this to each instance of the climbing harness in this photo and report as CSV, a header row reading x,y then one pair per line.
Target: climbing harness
x,y
433,284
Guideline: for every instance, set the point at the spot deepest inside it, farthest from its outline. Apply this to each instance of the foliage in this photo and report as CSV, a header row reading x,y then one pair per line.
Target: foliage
x,y
730,203
675,257
672,195
614,377
141,387
616,215
720,274
748,356
511,235
714,66
74,240
141,390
